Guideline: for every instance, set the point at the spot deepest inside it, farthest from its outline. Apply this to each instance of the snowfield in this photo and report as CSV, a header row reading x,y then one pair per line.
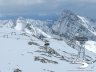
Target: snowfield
x,y
16,53
31,45
91,46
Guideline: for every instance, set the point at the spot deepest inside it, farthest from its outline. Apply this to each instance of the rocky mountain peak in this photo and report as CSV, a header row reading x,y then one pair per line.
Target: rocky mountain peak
x,y
69,15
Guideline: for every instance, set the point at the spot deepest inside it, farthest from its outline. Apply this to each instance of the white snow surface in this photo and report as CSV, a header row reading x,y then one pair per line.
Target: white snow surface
x,y
91,46
20,24
16,53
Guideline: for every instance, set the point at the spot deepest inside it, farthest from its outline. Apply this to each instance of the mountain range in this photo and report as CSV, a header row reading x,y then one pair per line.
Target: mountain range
x,y
31,35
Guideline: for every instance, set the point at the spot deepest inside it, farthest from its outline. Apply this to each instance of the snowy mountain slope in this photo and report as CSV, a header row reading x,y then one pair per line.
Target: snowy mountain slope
x,y
43,25
33,27
91,46
37,28
17,52
20,24
88,24
70,25
7,23
22,44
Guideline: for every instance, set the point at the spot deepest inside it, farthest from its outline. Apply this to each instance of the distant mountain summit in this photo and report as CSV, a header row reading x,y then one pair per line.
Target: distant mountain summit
x,y
33,27
70,25
20,23
67,14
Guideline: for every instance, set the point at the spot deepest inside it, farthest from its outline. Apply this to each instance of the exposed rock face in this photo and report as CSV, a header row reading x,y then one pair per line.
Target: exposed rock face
x,y
17,70
44,60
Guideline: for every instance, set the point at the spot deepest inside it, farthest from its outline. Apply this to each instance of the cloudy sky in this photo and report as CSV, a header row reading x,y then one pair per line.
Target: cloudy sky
x,y
44,7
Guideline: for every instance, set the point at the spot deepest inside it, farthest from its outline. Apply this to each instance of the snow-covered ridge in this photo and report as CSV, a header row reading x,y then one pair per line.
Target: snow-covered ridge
x,y
68,26
33,27
37,28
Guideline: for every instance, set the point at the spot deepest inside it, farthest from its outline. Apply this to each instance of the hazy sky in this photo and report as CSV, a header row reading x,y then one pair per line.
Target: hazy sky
x,y
44,7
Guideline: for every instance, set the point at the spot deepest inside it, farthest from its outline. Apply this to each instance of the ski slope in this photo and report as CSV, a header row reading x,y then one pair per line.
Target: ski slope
x,y
16,53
